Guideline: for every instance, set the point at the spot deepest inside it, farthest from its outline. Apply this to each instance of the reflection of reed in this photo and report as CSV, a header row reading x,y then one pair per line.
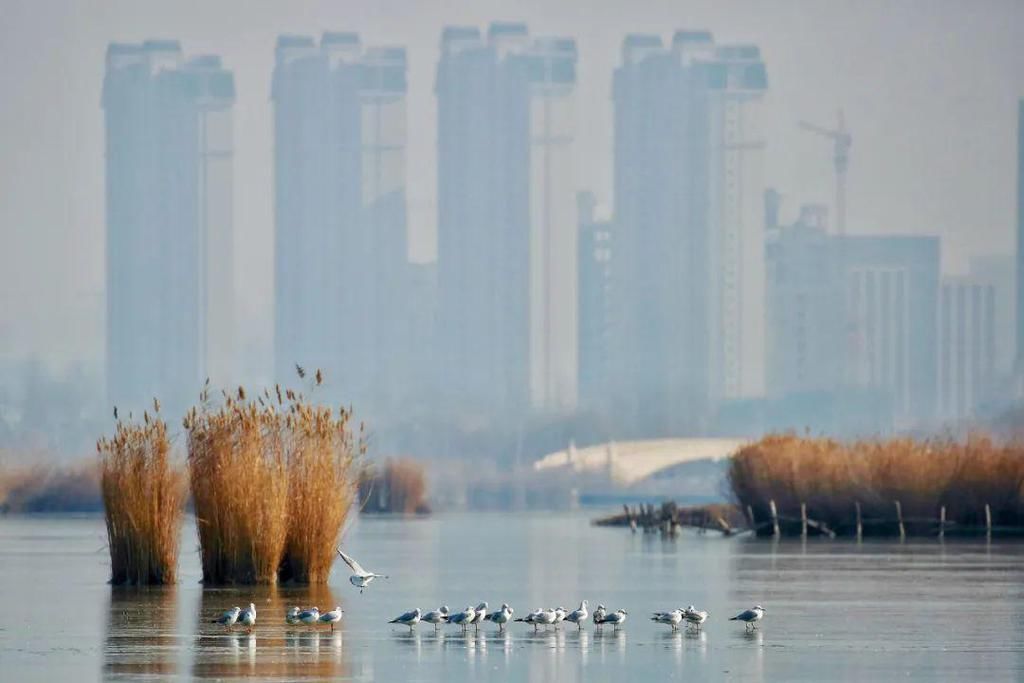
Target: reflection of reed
x,y
141,632
275,649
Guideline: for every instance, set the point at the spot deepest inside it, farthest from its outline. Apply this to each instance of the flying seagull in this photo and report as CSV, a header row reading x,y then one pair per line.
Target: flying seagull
x,y
360,578
750,617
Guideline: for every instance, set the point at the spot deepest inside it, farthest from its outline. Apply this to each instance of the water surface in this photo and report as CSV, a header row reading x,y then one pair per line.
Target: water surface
x,y
836,610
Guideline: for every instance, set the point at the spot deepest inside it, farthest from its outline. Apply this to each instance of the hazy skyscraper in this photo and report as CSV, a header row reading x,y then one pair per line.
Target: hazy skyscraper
x,y
340,246
892,289
170,285
1020,236
506,220
689,229
804,312
967,350
596,251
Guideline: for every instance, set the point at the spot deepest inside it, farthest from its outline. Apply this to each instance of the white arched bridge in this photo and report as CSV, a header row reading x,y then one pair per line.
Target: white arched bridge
x,y
628,462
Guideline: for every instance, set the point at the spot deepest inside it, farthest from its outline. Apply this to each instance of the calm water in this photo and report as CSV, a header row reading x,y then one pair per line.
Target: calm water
x,y
836,611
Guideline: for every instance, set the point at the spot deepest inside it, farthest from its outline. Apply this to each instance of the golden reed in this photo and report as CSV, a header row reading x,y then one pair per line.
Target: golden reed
x,y
143,501
832,477
272,483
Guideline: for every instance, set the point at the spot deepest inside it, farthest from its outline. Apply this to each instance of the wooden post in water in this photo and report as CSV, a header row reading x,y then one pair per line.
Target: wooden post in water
x,y
775,520
899,518
860,525
988,522
803,520
942,522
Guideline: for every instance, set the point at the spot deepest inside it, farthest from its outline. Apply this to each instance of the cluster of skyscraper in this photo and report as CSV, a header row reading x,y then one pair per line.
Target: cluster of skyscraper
x,y
688,301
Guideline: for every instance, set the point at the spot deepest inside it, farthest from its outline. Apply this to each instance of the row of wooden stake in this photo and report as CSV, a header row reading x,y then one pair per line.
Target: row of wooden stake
x,y
806,522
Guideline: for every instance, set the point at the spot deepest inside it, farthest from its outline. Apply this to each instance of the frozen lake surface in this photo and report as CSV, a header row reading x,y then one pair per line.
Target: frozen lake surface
x,y
836,611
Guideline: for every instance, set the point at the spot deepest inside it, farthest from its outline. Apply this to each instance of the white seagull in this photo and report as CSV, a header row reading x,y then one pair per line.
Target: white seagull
x,y
578,615
463,618
671,618
437,617
501,617
332,617
750,617
309,616
410,619
228,619
248,617
695,616
360,578
560,614
481,614
292,616
599,615
616,618
532,618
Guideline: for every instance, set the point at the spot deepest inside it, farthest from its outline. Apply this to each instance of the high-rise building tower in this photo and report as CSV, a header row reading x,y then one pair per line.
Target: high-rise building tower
x,y
506,221
170,284
596,251
891,302
341,259
1020,237
967,346
689,230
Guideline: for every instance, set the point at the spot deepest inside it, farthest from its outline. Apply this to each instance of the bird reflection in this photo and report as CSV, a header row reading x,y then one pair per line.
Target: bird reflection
x,y
410,639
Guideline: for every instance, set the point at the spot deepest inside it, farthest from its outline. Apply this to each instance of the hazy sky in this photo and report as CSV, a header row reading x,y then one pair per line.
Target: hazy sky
x,y
929,88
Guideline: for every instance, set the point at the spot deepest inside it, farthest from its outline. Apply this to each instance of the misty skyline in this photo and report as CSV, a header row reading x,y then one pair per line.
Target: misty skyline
x,y
929,91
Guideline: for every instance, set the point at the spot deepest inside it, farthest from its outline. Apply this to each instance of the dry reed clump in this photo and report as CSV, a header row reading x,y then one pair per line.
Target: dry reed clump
x,y
322,452
923,475
272,486
143,500
399,486
50,488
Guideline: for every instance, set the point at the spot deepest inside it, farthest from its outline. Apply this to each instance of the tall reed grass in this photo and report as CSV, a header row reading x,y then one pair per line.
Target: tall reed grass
x,y
143,500
272,485
398,486
322,453
831,477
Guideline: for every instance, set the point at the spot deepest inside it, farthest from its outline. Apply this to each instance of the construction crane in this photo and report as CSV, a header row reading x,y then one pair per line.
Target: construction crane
x,y
841,140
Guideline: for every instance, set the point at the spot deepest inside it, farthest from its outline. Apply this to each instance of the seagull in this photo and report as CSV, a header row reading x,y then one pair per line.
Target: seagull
x,y
501,617
292,616
309,616
481,614
533,617
437,617
671,618
599,615
695,616
616,619
547,617
361,578
463,618
332,617
560,614
750,617
409,619
578,615
248,617
228,619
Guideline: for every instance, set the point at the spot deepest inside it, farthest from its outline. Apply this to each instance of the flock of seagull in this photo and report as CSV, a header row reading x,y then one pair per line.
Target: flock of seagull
x,y
474,616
